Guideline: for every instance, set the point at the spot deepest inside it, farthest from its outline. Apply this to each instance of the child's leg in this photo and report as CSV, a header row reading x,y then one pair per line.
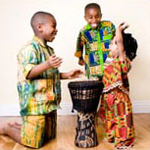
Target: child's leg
x,y
110,128
118,118
11,129
51,125
107,115
32,131
124,129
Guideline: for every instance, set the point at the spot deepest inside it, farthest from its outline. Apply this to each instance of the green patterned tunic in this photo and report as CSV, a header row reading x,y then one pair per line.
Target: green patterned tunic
x,y
96,45
42,94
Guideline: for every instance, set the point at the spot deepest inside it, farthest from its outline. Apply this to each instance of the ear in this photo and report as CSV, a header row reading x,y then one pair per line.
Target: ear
x,y
85,17
40,27
101,16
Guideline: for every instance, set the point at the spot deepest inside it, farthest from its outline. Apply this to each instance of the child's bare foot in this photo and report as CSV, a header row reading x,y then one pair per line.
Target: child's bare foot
x,y
6,124
3,127
15,125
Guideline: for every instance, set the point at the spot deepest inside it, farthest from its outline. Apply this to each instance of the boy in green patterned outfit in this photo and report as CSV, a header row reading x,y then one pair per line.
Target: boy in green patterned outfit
x,y
38,85
95,38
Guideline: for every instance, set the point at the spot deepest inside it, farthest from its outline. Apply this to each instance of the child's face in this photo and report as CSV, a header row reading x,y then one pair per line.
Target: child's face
x,y
49,30
113,48
93,17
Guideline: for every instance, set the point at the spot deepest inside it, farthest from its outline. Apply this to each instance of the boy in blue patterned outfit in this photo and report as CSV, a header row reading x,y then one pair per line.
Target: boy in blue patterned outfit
x,y
95,38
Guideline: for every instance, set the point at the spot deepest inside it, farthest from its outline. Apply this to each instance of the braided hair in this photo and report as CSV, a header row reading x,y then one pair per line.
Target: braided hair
x,y
130,45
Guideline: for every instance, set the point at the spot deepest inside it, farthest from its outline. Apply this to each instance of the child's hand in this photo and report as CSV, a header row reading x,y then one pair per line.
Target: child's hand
x,y
75,73
81,62
123,26
54,61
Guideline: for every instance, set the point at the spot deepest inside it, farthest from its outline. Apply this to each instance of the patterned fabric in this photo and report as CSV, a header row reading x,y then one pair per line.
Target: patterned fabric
x,y
115,75
96,44
116,107
38,129
43,94
85,132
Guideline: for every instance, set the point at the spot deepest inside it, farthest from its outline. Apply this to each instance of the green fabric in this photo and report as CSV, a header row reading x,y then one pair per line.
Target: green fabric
x,y
42,94
100,52
95,45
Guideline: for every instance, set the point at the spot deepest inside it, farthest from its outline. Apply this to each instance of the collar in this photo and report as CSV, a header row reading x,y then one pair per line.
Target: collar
x,y
38,40
88,27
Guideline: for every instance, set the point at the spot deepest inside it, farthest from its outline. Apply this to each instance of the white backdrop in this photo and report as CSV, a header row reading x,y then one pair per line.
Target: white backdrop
x,y
15,31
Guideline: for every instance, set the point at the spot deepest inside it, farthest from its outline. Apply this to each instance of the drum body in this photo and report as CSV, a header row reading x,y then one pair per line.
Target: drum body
x,y
85,95
85,98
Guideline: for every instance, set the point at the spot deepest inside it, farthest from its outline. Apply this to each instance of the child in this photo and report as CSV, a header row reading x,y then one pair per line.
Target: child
x,y
38,85
116,107
95,37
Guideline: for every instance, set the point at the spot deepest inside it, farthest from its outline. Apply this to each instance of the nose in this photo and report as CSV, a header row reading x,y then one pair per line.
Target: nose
x,y
94,20
56,30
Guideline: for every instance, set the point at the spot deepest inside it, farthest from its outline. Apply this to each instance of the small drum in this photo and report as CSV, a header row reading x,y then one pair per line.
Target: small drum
x,y
85,98
85,95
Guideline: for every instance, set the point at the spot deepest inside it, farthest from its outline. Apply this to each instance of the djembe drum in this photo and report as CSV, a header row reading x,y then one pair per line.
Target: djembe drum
x,y
85,98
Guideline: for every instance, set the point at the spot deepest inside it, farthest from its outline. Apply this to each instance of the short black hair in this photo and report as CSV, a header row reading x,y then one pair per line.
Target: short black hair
x,y
39,17
130,45
92,5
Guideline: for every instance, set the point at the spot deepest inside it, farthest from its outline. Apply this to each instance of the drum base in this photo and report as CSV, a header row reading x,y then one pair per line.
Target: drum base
x,y
85,131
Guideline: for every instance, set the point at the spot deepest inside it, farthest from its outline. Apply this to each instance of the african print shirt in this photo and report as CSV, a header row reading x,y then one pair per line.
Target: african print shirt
x,y
96,45
42,94
115,75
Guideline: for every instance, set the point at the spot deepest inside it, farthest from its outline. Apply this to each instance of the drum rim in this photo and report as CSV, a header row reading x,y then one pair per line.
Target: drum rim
x,y
81,84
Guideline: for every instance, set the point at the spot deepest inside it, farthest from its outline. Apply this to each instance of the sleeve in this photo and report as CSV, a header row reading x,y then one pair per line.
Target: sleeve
x,y
125,65
27,59
79,45
113,29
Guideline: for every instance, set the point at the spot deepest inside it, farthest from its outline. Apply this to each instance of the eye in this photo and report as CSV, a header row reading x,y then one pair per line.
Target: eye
x,y
54,25
97,17
90,17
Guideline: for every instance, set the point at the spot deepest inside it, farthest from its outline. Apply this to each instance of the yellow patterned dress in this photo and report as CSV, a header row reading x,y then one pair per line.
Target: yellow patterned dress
x,y
116,107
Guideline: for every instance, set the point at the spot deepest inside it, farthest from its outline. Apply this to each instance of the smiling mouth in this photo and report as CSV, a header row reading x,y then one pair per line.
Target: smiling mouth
x,y
94,25
53,35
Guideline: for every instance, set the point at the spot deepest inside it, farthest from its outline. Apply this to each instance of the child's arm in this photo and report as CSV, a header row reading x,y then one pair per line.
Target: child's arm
x,y
119,40
53,62
71,74
79,49
81,61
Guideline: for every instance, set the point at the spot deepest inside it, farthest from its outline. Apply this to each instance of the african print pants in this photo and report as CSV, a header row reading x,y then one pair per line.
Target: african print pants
x,y
116,112
36,130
